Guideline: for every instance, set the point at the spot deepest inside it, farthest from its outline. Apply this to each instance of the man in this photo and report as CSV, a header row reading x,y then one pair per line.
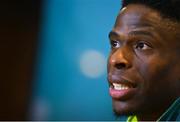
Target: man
x,y
144,63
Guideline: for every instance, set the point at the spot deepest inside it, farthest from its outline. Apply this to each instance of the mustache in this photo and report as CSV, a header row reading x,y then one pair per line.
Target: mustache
x,y
118,77
121,78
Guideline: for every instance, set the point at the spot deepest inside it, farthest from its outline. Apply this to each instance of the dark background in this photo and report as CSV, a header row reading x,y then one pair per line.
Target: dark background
x,y
19,25
41,70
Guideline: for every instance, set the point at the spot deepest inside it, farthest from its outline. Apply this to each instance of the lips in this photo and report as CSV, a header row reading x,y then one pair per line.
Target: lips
x,y
121,88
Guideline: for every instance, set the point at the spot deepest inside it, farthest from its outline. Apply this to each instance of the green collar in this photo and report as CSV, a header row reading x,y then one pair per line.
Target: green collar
x,y
171,114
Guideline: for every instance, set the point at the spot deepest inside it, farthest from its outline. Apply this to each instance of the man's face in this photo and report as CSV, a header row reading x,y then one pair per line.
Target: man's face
x,y
143,66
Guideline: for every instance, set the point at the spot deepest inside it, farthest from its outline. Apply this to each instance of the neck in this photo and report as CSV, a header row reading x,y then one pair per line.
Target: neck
x,y
154,115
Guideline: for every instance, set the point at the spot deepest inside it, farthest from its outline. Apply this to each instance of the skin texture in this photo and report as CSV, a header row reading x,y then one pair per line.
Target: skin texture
x,y
145,54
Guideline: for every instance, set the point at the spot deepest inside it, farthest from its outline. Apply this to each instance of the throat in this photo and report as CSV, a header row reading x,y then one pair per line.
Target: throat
x,y
149,117
153,115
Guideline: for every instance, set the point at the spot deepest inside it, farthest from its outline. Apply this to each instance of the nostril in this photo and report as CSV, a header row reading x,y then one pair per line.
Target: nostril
x,y
120,65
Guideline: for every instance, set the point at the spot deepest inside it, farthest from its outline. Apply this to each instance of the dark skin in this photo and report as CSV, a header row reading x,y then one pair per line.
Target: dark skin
x,y
144,59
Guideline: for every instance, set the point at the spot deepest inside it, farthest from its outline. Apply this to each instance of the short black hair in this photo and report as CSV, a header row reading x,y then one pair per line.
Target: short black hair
x,y
167,8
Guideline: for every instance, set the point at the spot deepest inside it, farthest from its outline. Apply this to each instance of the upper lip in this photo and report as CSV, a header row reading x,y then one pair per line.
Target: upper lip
x,y
121,80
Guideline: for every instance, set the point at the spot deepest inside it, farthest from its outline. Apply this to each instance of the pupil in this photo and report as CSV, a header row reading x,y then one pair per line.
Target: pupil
x,y
114,43
140,45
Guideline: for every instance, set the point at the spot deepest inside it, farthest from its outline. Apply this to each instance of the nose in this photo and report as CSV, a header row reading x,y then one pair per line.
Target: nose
x,y
120,60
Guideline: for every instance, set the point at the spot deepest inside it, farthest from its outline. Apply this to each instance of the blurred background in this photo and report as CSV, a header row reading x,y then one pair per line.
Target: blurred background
x,y
53,59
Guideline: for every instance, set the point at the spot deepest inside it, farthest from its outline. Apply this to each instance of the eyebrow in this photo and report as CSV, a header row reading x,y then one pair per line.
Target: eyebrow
x,y
132,33
112,33
140,32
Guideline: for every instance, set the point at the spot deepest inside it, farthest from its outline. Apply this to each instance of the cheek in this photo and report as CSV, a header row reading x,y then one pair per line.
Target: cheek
x,y
154,72
155,69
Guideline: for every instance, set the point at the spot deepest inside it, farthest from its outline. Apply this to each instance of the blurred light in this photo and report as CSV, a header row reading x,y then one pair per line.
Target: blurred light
x,y
40,109
92,63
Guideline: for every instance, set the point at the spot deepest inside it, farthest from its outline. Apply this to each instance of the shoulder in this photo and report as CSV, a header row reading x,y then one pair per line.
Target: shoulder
x,y
172,113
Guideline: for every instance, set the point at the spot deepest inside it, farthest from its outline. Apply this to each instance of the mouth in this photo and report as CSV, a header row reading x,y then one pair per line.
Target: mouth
x,y
119,86
122,89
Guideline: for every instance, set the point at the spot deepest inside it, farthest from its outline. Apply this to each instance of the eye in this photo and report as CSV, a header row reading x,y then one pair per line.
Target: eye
x,y
142,46
115,44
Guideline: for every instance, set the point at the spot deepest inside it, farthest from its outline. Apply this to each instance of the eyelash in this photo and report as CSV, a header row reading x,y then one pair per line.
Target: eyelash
x,y
140,45
115,44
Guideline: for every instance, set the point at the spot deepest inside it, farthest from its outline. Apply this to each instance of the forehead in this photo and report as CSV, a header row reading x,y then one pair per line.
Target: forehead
x,y
136,15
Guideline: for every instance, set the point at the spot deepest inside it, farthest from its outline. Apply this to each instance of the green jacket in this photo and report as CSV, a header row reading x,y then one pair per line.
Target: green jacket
x,y
171,114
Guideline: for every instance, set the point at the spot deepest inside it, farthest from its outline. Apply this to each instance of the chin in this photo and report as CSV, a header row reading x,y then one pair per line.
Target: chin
x,y
124,107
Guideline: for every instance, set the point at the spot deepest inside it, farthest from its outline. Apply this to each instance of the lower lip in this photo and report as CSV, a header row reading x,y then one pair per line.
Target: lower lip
x,y
121,94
